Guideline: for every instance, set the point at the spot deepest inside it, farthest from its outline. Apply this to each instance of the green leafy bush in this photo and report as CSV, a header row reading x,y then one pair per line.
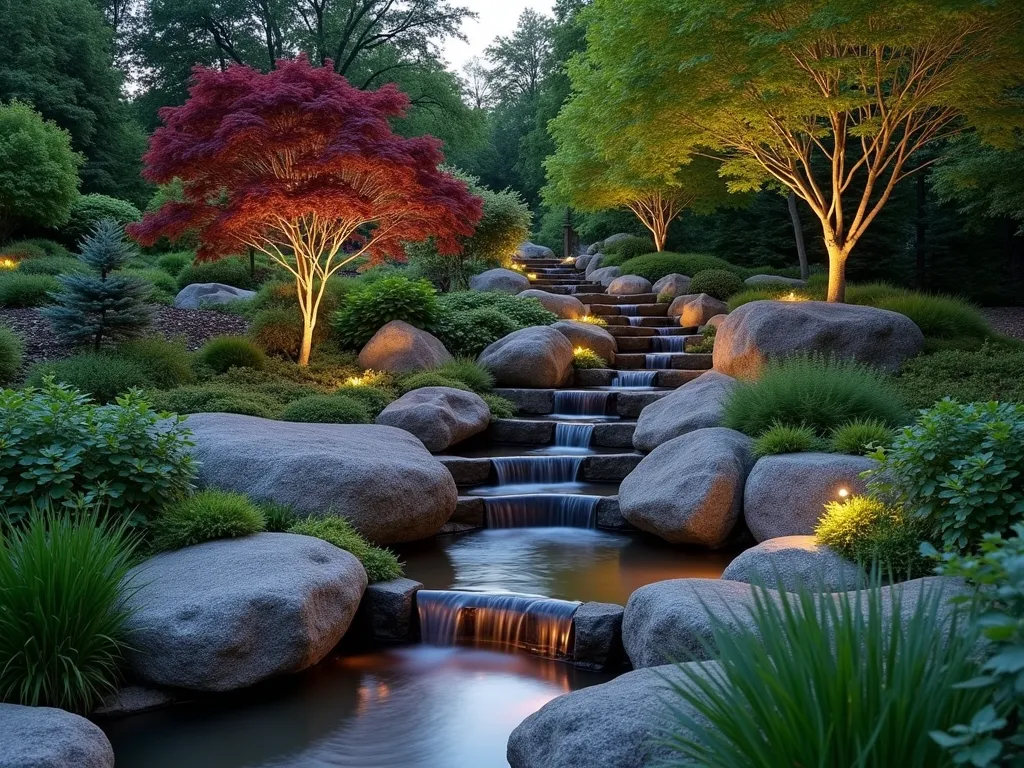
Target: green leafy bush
x,y
717,283
938,317
811,391
21,252
50,248
380,564
629,248
375,399
103,376
960,468
523,312
164,287
327,409
370,308
655,266
11,350
813,683
860,436
166,363
57,445
787,438
225,352
64,581
19,290
467,334
881,536
89,210
278,331
428,379
212,398
206,516
230,271
500,407
586,359
469,372
174,263
990,372
51,265
706,345
264,382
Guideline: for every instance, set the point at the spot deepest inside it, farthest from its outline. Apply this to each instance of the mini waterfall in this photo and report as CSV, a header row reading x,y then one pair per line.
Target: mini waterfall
x,y
635,322
668,343
657,361
573,435
669,331
629,310
626,379
542,511
536,470
539,625
577,403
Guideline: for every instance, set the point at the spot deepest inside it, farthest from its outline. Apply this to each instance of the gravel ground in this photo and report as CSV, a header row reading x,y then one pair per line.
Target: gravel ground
x,y
1008,320
196,326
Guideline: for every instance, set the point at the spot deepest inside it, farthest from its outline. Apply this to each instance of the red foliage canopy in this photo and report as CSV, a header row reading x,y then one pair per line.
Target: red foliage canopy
x,y
266,155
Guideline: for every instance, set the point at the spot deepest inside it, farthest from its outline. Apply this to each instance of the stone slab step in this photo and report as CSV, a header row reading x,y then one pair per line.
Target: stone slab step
x,y
624,331
649,343
642,310
469,514
567,290
540,262
598,468
622,321
687,361
603,377
604,298
525,431
540,402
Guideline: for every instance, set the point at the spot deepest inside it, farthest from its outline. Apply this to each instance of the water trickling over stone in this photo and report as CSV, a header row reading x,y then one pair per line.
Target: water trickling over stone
x,y
635,322
573,435
579,403
659,362
536,470
625,379
542,511
668,343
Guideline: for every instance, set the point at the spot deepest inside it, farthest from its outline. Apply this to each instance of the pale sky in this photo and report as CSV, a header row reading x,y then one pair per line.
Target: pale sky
x,y
497,17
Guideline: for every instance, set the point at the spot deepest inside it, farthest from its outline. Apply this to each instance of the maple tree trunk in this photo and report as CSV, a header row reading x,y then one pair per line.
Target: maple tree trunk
x,y
307,341
836,270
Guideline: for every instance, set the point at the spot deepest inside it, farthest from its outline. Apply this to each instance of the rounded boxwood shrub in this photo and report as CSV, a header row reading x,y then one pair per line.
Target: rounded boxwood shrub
x,y
629,248
51,265
50,248
500,407
89,210
164,286
11,350
19,290
103,376
428,379
215,399
371,307
860,436
523,312
787,438
655,266
717,283
467,334
585,359
225,352
174,263
167,363
380,564
374,398
206,516
878,535
327,409
230,271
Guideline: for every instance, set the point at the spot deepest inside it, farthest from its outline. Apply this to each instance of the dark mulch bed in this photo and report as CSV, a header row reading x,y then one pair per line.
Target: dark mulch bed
x,y
1007,320
196,326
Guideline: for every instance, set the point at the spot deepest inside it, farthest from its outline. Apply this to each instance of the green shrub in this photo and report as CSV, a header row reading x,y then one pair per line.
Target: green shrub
x,y
174,263
58,445
523,312
21,253
19,290
629,248
225,352
655,266
821,394
51,265
167,363
866,530
813,683
717,283
960,468
164,287
986,373
938,317
206,516
374,398
278,518
264,382
500,407
428,379
11,350
103,376
585,359
278,331
63,616
467,334
380,564
371,307
870,294
327,409
230,271
89,210
769,293
860,436
50,249
215,399
787,438
706,345
469,372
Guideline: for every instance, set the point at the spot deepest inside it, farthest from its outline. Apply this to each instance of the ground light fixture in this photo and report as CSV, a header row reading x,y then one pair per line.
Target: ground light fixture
x,y
8,263
531,275
842,493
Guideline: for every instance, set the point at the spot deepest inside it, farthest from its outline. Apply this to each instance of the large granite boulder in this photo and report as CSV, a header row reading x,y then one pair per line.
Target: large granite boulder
x,y
439,416
669,621
771,330
613,725
533,251
673,285
792,563
615,238
230,613
566,307
604,275
698,404
402,348
594,264
500,280
582,261
589,336
539,356
629,285
756,280
380,478
689,490
199,295
695,309
44,737
786,494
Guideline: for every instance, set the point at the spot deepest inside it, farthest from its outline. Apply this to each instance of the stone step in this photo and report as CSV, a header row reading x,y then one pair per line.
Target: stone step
x,y
604,298
540,402
568,290
526,431
469,514
625,331
687,361
621,321
540,282
541,263
642,310
649,343
603,377
597,468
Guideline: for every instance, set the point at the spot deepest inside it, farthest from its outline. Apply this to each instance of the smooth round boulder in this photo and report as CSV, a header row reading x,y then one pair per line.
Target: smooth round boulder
x,y
698,404
589,336
382,479
539,356
534,251
756,280
604,275
566,307
673,285
45,737
714,322
593,248
231,613
500,281
582,261
439,416
595,264
402,348
774,330
689,490
695,309
615,238
629,285
791,563
785,495
199,295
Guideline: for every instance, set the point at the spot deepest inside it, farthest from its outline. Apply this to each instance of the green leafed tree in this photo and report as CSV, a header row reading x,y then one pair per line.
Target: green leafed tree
x,y
832,99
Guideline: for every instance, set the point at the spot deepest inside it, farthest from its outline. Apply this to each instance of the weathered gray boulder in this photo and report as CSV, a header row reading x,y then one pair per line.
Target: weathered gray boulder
x,y
387,613
227,614
666,621
615,238
593,248
629,285
589,336
604,275
582,261
597,635
786,494
695,309
771,330
402,348
792,563
439,416
594,264
500,280
689,490
566,307
199,295
44,737
380,478
532,357
613,725
698,404
673,285
134,700
775,280
714,322
532,251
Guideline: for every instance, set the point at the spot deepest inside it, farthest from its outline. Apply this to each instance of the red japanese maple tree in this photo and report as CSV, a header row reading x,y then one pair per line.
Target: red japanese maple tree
x,y
305,168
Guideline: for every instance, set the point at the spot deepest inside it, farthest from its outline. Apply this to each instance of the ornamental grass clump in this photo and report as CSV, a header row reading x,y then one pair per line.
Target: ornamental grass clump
x,y
469,372
785,438
861,436
11,350
208,515
226,352
380,564
584,358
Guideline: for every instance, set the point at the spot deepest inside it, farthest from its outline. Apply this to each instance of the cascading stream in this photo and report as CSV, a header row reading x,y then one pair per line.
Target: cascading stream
x,y
541,511
657,362
536,470
635,322
668,343
573,435
628,379
574,403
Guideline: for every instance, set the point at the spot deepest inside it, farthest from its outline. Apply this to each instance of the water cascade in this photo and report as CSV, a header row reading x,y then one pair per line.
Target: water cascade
x,y
635,322
629,310
574,403
542,511
573,435
629,379
536,470
538,625
657,361
668,343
